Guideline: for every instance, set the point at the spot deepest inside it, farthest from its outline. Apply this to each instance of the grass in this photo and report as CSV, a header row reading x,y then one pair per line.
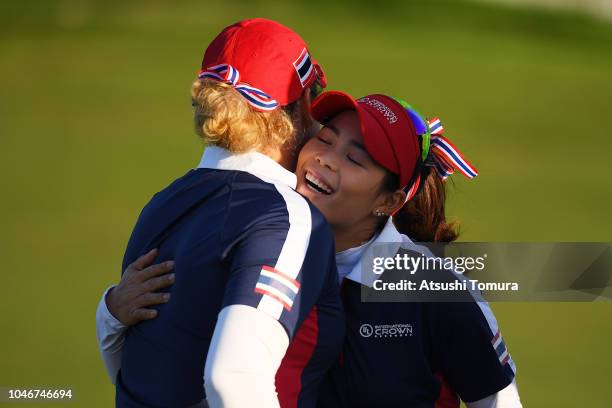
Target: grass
x,y
95,118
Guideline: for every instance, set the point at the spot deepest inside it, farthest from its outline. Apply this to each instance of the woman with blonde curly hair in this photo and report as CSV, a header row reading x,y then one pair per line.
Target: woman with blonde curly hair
x,y
253,260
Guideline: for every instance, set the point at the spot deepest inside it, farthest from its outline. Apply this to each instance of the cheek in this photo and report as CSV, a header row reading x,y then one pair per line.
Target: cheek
x,y
305,153
357,180
358,188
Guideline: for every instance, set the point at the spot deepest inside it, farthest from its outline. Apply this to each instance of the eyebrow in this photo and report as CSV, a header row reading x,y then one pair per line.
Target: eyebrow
x,y
337,133
332,128
358,145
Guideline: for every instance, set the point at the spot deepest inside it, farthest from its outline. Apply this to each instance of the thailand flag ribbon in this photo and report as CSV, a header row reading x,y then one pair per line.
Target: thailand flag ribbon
x,y
446,156
230,75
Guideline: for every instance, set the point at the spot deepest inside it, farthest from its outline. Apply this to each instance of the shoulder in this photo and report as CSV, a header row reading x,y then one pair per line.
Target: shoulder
x,y
266,202
302,214
464,320
252,195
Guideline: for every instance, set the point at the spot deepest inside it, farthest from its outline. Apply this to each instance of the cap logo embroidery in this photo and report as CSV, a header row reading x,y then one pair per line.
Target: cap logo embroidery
x,y
381,107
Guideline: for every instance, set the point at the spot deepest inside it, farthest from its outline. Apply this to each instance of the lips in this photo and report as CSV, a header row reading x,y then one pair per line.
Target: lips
x,y
316,183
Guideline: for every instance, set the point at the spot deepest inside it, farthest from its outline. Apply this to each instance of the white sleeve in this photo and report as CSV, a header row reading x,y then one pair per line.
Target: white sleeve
x,y
506,398
245,352
111,334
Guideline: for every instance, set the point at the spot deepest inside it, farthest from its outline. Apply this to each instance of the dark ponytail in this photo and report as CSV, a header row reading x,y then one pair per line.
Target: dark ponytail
x,y
423,218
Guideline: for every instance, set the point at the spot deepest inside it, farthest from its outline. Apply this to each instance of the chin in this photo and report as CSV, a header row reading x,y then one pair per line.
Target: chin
x,y
306,192
318,199
323,204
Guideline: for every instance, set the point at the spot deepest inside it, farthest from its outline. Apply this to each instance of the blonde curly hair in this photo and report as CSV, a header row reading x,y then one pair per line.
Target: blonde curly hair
x,y
224,118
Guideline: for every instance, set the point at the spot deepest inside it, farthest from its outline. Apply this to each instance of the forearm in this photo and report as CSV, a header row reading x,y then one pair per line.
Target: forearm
x,y
245,353
111,335
506,398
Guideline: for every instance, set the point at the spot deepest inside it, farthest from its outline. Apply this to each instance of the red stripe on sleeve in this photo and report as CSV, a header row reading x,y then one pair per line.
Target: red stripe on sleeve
x,y
272,295
299,353
289,278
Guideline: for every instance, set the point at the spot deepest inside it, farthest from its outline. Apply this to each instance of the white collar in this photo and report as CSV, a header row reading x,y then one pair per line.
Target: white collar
x,y
392,239
255,163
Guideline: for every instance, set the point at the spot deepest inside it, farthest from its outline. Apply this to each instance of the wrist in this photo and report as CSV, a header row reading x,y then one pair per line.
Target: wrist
x,y
109,297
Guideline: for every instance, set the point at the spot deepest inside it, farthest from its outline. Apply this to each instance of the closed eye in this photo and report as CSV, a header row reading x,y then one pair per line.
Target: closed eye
x,y
352,160
327,142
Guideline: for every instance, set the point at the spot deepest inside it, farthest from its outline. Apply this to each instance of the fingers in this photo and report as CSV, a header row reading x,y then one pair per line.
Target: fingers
x,y
143,314
149,299
138,287
156,270
144,261
140,313
154,284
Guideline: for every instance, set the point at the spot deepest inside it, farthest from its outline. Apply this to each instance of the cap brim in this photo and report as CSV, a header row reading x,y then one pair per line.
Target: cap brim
x,y
375,139
330,103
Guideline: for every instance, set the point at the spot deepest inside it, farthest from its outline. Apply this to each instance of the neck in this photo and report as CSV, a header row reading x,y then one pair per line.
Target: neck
x,y
285,156
355,235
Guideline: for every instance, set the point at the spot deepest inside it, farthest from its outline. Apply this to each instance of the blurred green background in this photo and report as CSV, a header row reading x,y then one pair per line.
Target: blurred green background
x,y
95,117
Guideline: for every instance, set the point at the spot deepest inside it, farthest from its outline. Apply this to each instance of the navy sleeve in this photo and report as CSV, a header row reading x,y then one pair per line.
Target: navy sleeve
x,y
281,263
469,349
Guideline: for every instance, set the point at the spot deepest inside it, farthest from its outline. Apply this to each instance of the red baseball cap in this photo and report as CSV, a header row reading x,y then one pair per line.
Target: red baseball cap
x,y
389,135
268,63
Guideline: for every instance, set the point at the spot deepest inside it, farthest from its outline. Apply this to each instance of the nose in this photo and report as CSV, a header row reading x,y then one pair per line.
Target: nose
x,y
327,159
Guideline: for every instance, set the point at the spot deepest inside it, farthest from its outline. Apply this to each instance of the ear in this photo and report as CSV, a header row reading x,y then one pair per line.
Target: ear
x,y
305,99
305,102
391,202
309,126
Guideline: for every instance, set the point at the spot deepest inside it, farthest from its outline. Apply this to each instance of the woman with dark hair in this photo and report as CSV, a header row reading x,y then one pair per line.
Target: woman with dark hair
x,y
373,158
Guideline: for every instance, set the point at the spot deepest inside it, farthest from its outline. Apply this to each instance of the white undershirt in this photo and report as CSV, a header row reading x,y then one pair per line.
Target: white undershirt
x,y
347,259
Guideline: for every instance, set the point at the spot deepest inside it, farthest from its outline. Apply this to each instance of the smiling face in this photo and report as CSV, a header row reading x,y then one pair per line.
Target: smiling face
x,y
338,175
